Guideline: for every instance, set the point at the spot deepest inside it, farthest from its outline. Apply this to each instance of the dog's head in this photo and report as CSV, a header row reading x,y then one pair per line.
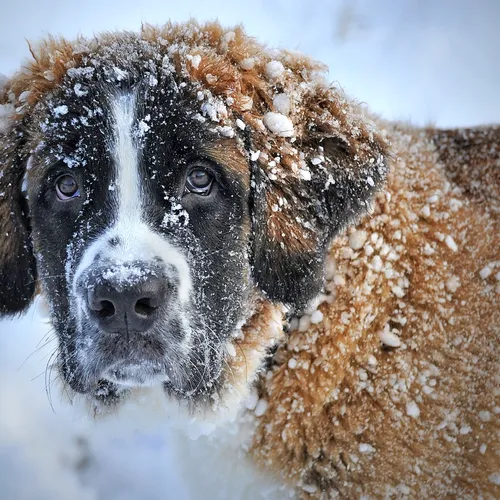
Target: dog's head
x,y
159,187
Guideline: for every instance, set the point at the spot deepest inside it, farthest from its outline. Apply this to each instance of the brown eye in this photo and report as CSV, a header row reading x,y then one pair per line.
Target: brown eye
x,y
199,181
67,187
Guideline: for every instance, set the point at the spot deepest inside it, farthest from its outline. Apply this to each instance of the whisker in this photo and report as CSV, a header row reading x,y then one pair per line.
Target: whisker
x,y
40,347
48,373
38,279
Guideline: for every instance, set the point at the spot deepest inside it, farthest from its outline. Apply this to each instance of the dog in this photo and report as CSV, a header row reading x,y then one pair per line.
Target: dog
x,y
212,219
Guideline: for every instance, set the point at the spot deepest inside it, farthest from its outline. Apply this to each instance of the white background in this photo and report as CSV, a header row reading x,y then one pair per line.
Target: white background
x,y
428,61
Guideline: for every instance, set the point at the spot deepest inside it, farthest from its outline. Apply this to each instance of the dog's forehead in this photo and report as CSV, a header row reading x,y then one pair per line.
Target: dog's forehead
x,y
77,125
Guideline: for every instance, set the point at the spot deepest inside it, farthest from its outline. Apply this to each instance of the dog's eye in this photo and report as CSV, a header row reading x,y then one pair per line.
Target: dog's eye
x,y
67,187
199,181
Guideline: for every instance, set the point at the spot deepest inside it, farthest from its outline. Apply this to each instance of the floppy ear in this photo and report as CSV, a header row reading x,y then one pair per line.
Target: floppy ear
x,y
304,194
17,263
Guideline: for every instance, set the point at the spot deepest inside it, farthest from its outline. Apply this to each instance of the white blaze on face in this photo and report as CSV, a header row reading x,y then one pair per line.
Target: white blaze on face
x,y
127,165
136,241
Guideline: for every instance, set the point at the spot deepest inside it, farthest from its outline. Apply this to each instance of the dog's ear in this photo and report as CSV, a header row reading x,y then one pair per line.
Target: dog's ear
x,y
17,263
304,193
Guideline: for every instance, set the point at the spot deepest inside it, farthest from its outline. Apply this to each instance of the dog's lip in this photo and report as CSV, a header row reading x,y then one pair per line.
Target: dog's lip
x,y
134,373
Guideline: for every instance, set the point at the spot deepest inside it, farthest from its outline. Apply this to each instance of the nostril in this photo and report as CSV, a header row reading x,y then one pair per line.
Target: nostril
x,y
105,309
145,307
132,306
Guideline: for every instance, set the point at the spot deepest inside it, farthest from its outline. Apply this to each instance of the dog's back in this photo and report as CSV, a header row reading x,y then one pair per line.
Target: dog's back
x,y
396,390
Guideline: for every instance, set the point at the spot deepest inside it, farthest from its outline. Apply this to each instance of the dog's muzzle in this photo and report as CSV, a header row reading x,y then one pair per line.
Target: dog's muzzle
x,y
127,298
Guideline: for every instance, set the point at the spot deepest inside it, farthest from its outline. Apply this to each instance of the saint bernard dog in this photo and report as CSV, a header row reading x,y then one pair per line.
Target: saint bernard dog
x,y
213,219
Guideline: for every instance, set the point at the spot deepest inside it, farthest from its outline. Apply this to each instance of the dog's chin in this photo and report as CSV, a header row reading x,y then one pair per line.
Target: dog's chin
x,y
128,374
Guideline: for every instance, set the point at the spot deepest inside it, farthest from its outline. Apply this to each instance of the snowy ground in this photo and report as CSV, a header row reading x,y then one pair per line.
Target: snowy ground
x,y
424,61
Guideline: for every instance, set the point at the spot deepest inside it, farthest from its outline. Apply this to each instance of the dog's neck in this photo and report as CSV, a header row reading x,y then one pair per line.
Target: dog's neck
x,y
324,341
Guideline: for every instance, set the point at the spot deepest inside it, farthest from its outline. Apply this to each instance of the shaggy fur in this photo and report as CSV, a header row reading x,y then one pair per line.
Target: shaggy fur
x,y
391,386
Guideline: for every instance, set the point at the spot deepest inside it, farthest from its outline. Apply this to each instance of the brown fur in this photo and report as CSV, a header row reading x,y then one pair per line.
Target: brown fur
x,y
334,400
228,154
343,421
251,91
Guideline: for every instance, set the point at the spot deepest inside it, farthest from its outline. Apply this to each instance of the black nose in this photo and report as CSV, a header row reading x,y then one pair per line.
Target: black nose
x,y
130,307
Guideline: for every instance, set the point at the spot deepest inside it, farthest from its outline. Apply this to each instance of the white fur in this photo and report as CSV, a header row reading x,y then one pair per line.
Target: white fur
x,y
137,242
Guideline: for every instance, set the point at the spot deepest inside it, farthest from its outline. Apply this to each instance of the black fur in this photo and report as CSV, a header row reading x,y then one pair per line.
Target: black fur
x,y
295,278
17,263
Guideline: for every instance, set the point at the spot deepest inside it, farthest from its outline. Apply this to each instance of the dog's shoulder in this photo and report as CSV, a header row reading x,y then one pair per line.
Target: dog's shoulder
x,y
389,386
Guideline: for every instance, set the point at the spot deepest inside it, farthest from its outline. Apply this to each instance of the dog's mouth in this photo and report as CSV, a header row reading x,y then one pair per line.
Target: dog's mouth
x,y
136,373
184,373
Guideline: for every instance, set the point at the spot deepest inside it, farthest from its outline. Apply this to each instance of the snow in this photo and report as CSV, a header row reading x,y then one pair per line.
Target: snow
x,y
450,243
494,478
226,131
486,271
377,263
195,60
281,103
279,124
305,174
397,290
252,400
389,338
23,97
453,284
357,239
261,407
254,155
426,211
339,280
316,317
247,64
60,110
274,69
177,216
485,416
6,112
79,92
412,409
366,448
465,429
46,447
309,488
304,323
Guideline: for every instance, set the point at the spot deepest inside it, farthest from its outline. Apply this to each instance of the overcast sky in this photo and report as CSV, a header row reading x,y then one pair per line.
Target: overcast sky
x,y
425,61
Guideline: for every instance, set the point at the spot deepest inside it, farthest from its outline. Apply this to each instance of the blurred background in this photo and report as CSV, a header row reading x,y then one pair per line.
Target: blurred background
x,y
423,61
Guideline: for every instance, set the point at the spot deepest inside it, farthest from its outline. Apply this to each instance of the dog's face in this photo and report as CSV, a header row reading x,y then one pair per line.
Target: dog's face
x,y
154,230
141,233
